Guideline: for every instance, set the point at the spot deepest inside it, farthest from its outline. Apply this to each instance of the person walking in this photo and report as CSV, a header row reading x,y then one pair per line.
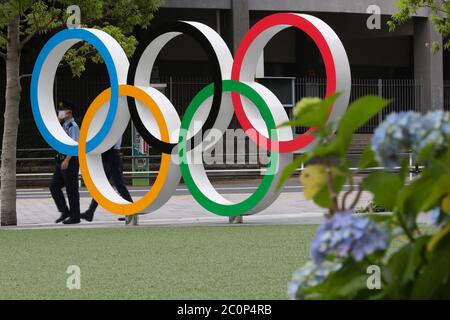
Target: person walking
x,y
66,171
112,162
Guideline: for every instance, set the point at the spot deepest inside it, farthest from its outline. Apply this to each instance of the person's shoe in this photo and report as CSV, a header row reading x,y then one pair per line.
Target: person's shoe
x,y
88,216
133,219
71,221
122,219
63,217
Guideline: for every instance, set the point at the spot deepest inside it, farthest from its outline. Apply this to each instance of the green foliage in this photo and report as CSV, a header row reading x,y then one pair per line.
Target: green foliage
x,y
357,114
367,159
312,112
330,147
116,17
420,268
433,281
324,198
350,282
439,12
401,269
384,186
292,167
77,57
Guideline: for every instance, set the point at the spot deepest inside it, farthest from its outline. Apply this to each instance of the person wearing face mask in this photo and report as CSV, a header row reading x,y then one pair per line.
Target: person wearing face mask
x,y
66,172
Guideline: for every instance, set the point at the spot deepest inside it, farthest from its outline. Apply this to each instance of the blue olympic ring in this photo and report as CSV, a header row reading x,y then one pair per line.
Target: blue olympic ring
x,y
89,37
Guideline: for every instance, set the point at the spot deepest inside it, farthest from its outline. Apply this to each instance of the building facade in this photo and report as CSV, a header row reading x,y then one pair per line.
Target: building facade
x,y
396,65
373,53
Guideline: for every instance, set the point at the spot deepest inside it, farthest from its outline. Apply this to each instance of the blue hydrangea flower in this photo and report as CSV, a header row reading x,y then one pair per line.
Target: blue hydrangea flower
x,y
394,135
308,276
345,235
405,131
436,218
435,131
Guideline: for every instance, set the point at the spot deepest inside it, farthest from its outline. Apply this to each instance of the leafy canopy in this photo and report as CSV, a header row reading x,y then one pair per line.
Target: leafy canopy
x,y
438,14
116,17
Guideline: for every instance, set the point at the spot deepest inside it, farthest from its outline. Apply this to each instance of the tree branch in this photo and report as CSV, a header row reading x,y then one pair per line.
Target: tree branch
x,y
26,39
65,64
405,228
24,76
333,195
31,35
358,196
350,191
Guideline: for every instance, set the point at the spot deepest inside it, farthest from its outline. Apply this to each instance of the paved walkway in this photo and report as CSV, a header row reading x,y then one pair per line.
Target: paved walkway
x,y
289,208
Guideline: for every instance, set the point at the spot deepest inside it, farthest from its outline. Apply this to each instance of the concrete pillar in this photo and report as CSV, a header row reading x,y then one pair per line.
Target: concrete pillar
x,y
428,67
240,23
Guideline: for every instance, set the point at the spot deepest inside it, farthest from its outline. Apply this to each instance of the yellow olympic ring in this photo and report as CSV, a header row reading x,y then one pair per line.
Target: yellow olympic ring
x,y
152,194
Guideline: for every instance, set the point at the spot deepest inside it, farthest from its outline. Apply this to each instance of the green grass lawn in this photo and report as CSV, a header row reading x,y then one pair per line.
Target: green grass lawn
x,y
229,262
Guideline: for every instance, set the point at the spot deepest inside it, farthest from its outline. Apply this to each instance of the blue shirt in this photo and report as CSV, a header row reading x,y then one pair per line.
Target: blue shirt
x,y
72,129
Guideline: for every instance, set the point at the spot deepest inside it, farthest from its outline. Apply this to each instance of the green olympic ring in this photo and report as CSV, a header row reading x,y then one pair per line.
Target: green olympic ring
x,y
225,207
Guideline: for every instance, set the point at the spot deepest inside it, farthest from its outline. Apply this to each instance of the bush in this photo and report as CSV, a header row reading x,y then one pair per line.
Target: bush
x,y
347,246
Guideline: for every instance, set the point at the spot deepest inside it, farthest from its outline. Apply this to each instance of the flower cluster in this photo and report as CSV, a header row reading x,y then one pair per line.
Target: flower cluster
x,y
438,218
406,131
304,104
344,236
308,276
340,237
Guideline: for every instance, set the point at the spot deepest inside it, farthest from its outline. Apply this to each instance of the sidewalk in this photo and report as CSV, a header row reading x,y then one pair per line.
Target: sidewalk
x,y
180,210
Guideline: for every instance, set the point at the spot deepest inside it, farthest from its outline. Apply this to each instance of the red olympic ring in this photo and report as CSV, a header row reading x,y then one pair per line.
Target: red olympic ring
x,y
303,24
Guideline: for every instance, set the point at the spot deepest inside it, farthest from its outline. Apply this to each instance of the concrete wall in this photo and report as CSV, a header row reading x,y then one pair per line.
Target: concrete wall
x,y
406,49
291,50
349,6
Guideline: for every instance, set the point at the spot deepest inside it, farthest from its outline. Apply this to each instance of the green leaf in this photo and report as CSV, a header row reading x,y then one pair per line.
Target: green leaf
x,y
425,154
432,281
357,114
401,269
367,159
313,114
384,186
439,189
323,198
413,197
289,170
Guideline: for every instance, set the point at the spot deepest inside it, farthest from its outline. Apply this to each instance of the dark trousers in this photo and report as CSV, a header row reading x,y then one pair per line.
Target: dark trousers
x,y
113,170
67,178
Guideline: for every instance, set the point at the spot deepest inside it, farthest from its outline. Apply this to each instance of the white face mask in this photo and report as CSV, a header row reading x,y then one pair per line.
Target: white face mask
x,y
61,114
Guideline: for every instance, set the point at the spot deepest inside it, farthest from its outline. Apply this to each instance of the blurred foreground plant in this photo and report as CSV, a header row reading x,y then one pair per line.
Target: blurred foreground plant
x,y
347,245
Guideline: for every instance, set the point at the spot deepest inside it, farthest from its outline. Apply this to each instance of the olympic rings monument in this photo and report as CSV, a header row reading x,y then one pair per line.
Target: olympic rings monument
x,y
233,91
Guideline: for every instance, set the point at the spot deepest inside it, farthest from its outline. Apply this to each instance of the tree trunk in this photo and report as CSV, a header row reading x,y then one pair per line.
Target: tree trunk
x,y
11,124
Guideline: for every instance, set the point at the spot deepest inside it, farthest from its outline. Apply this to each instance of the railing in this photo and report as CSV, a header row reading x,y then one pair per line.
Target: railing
x,y
230,172
406,94
447,95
